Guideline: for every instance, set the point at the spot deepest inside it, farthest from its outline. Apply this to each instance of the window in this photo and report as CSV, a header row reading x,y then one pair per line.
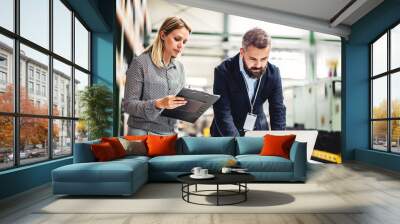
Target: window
x,y
3,61
395,47
62,74
3,78
30,72
62,29
6,143
385,95
35,21
6,73
30,87
33,149
7,14
38,89
3,72
379,56
44,91
37,74
47,74
81,81
62,130
81,45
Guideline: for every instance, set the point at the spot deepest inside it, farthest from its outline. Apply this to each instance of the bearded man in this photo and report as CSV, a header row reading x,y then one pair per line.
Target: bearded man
x,y
245,82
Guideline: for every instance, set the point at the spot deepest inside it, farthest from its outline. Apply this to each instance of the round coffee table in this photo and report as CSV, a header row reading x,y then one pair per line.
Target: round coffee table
x,y
238,179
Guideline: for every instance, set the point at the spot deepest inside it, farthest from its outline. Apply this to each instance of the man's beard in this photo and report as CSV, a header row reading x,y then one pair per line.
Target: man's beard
x,y
253,72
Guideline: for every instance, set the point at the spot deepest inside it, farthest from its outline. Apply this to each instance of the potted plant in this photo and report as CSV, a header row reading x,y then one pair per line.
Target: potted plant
x,y
96,104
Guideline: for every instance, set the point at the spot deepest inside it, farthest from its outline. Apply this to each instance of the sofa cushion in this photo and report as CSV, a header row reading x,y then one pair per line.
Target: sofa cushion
x,y
112,171
116,145
207,145
135,137
93,172
160,145
277,145
249,145
134,147
103,152
257,163
185,163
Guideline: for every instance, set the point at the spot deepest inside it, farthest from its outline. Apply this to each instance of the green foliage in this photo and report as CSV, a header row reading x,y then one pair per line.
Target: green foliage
x,y
96,104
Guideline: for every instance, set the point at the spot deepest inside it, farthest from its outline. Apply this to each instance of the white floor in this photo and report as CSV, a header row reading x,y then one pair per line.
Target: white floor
x,y
377,189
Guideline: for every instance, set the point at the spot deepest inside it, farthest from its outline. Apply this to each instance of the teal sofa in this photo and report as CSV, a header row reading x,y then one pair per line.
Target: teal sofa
x,y
125,176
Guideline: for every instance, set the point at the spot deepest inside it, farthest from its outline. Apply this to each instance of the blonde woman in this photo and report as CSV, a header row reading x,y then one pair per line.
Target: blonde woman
x,y
154,78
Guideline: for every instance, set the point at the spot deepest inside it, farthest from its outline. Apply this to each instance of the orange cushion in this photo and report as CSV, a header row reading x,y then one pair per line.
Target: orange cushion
x,y
161,145
135,137
103,152
277,145
116,145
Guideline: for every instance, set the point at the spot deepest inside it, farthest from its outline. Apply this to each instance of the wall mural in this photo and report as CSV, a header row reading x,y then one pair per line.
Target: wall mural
x,y
133,25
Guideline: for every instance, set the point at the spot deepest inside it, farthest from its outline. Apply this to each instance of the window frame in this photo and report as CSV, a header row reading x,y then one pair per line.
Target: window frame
x,y
16,114
388,74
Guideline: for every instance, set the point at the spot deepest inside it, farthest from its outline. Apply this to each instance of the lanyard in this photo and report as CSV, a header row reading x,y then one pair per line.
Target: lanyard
x,y
255,95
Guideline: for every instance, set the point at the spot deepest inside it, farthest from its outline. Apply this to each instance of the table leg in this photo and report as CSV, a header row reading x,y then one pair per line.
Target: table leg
x,y
188,190
245,191
182,190
217,194
196,188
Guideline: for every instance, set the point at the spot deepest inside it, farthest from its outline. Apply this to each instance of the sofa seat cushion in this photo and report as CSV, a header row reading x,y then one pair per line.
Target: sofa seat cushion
x,y
133,158
185,163
257,163
112,171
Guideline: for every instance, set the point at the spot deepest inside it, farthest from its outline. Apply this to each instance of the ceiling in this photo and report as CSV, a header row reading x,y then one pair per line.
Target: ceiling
x,y
326,16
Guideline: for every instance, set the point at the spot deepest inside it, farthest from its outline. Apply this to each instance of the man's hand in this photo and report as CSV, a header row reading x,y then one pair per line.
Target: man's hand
x,y
170,102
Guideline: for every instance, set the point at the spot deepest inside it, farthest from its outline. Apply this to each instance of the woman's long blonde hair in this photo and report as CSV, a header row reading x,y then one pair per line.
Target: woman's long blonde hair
x,y
170,24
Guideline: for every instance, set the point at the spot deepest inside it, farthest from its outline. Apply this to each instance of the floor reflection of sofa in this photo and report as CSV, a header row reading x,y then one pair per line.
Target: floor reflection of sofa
x,y
125,176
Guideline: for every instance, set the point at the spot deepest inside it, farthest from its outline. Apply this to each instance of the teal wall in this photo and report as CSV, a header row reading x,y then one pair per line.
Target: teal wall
x,y
103,67
99,16
24,178
356,100
103,56
380,159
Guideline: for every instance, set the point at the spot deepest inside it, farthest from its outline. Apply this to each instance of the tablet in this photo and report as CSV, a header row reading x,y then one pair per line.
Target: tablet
x,y
197,103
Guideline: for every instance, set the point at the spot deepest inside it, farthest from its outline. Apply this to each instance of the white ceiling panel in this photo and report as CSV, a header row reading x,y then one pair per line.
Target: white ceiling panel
x,y
326,16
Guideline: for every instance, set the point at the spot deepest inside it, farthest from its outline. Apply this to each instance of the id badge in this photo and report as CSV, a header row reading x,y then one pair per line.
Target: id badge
x,y
250,122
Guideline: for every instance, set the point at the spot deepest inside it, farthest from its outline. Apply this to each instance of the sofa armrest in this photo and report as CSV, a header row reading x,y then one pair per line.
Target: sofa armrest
x,y
298,155
83,152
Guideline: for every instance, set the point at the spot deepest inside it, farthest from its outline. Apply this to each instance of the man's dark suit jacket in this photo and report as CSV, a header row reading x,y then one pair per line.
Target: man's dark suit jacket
x,y
231,109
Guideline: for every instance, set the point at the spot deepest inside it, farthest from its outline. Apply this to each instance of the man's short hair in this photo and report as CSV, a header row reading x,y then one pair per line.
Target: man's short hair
x,y
256,37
